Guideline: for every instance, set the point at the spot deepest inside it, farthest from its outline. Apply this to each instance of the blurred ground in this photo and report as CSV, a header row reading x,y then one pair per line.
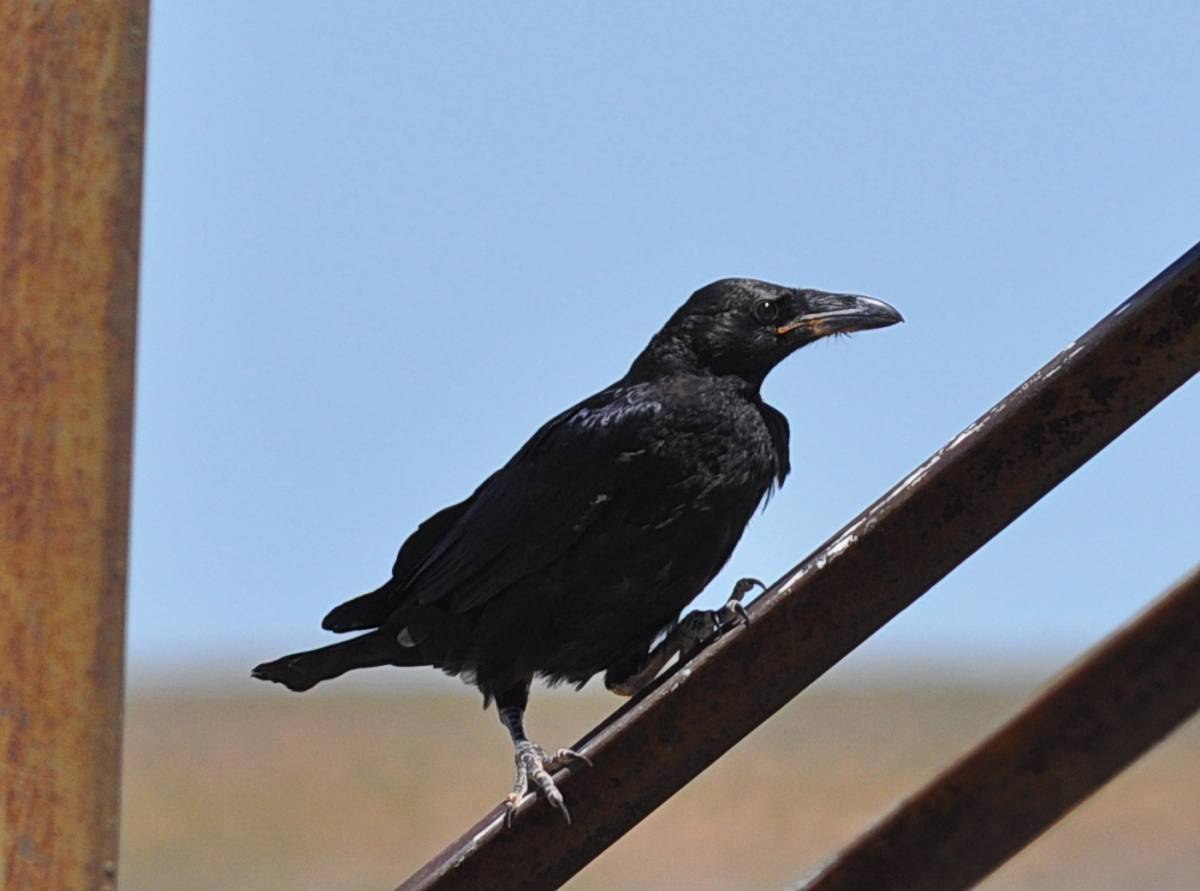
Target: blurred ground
x,y
352,789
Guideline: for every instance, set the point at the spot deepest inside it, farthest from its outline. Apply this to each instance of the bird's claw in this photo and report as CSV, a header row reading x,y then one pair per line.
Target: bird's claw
x,y
563,758
744,587
701,627
534,765
734,613
740,590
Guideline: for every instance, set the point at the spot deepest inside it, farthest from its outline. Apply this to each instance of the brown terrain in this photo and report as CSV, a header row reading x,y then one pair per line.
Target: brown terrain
x,y
353,788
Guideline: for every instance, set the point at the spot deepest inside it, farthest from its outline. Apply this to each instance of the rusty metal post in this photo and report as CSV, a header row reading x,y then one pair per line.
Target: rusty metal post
x,y
71,107
1101,715
885,559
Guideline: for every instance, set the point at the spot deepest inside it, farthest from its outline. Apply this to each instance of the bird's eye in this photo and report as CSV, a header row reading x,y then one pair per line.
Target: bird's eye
x,y
767,311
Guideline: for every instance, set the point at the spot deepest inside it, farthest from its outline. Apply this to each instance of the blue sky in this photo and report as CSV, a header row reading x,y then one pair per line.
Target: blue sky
x,y
383,242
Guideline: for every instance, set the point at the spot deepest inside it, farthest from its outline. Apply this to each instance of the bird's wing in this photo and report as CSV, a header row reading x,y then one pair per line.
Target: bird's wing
x,y
532,510
372,609
417,547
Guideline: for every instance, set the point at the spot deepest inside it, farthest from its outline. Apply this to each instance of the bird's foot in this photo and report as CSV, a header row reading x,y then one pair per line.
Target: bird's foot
x,y
691,634
733,612
535,766
702,626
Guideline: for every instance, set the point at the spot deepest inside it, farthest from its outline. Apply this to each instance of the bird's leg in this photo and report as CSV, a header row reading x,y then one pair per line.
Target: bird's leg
x,y
695,630
533,764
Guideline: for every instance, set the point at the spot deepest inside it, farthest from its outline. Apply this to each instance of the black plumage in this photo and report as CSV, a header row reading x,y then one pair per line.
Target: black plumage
x,y
579,552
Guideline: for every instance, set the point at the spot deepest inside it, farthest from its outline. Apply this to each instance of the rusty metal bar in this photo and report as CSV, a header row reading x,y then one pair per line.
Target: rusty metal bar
x,y
1101,715
72,85
850,587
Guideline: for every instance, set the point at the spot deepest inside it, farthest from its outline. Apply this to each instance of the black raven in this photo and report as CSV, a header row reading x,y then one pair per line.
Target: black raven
x,y
575,556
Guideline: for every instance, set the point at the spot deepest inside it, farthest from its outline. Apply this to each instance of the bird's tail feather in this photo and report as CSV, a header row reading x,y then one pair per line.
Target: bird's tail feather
x,y
365,611
301,671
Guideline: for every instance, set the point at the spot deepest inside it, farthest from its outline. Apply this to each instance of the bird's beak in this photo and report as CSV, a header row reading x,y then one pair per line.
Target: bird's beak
x,y
840,314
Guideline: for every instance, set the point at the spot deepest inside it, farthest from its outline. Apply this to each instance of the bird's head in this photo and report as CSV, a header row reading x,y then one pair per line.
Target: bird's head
x,y
744,327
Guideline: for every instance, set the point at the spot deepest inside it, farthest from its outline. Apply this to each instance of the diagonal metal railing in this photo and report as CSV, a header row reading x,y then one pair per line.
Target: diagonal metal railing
x,y
891,554
1098,717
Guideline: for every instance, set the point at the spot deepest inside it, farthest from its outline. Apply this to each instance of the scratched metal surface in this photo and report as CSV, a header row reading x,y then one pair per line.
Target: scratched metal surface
x,y
72,85
897,549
